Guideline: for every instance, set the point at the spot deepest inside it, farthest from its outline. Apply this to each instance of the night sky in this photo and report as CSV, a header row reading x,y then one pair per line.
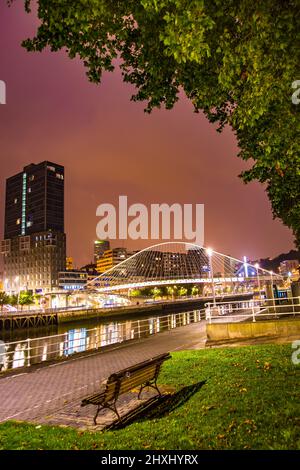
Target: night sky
x,y
110,147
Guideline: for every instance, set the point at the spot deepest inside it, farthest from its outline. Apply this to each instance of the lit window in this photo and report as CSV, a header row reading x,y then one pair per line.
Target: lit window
x,y
31,177
18,221
51,168
29,190
59,176
15,200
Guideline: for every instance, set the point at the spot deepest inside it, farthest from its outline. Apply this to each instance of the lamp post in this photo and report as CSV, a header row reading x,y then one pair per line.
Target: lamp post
x,y
290,287
290,278
17,280
271,272
246,266
246,272
6,284
258,281
209,251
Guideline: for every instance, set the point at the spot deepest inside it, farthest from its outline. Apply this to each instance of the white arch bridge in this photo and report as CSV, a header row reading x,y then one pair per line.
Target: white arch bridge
x,y
181,263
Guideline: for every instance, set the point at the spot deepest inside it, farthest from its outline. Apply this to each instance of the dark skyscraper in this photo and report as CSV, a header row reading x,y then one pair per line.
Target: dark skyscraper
x,y
34,248
35,200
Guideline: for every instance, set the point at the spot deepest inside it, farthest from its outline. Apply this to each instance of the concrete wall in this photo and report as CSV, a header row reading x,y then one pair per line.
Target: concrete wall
x,y
248,330
75,315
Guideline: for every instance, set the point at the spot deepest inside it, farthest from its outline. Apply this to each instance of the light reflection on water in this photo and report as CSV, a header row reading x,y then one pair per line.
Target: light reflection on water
x,y
50,346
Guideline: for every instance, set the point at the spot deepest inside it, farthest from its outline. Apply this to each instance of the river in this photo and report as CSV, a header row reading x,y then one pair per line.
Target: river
x,y
32,346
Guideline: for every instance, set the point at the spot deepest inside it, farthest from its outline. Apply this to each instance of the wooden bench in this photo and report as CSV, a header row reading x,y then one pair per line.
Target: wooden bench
x,y
144,374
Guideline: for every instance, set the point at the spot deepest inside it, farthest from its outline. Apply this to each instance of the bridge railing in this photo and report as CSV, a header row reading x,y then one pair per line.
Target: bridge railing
x,y
36,311
49,311
48,348
257,309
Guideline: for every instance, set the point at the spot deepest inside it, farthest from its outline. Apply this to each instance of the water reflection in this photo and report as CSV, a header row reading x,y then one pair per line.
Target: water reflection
x,y
77,340
19,356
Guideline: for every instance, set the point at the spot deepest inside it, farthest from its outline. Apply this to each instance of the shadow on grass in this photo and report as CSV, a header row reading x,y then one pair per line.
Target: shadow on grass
x,y
158,406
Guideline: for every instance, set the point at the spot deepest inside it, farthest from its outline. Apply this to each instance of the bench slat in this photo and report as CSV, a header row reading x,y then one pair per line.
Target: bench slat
x,y
131,382
156,360
106,395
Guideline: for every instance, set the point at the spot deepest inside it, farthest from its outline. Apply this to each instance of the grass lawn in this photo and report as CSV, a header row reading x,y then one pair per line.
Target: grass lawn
x,y
251,400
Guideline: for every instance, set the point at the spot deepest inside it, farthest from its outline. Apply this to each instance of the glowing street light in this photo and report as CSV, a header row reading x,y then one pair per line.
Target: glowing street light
x,y
290,279
258,281
209,252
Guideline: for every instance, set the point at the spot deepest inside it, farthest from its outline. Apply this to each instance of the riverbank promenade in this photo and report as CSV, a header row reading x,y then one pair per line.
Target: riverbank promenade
x,y
37,392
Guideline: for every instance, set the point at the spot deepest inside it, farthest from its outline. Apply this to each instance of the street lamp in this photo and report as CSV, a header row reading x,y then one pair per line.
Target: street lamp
x,y
246,267
17,279
258,281
209,252
271,272
289,281
246,272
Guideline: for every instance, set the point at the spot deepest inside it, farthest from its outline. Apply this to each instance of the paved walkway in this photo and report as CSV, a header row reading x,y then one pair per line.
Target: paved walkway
x,y
35,394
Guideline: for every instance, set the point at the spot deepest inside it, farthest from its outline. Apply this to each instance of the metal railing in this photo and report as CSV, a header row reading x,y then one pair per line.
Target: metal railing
x,y
49,311
257,309
78,340
37,350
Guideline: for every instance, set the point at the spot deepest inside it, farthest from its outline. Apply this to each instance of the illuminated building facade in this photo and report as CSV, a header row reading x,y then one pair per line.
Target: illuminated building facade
x,y
110,259
288,266
69,263
73,280
100,246
34,248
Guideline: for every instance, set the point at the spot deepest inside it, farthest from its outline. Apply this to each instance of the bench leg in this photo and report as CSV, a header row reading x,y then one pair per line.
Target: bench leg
x,y
156,388
148,384
113,408
110,407
141,389
96,415
116,411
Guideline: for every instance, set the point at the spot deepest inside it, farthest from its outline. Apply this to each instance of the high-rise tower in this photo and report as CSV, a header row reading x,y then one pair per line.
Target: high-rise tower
x,y
34,248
